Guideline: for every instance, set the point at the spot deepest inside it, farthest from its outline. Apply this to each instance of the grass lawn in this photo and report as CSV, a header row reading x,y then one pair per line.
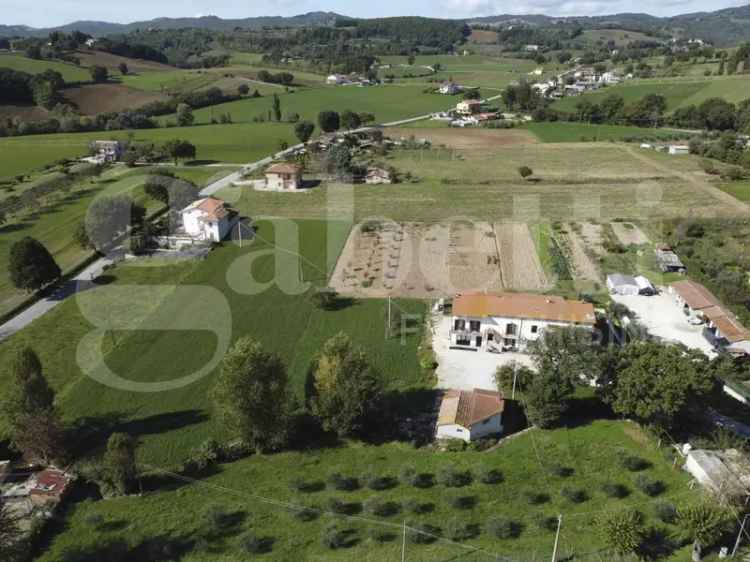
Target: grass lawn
x,y
70,72
739,189
236,144
675,93
176,515
577,132
171,423
387,103
601,181
55,221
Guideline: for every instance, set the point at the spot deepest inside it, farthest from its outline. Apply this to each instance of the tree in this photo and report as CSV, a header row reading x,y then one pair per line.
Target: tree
x,y
350,120
473,94
339,160
525,172
185,115
506,374
410,60
250,396
347,389
304,130
612,107
243,89
622,531
120,469
717,114
180,150
705,523
657,383
276,107
566,354
35,427
546,399
329,121
123,68
81,235
31,266
110,217
99,74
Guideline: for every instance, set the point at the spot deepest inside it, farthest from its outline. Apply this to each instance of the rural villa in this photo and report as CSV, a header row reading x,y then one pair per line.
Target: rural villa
x,y
510,321
470,415
206,219
284,176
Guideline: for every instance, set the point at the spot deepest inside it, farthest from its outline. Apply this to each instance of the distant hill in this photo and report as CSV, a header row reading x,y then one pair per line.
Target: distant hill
x,y
213,23
722,27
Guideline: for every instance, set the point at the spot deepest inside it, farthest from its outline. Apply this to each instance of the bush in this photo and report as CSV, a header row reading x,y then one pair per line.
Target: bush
x,y
633,463
381,535
422,534
460,501
561,471
546,523
457,530
615,490
343,483
490,475
413,506
573,495
447,475
666,512
333,537
381,508
341,507
253,544
307,514
536,498
649,486
299,484
502,528
375,482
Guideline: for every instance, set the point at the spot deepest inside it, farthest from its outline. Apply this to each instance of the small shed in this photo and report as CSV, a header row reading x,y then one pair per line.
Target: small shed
x,y
284,176
378,176
619,284
645,287
470,415
679,149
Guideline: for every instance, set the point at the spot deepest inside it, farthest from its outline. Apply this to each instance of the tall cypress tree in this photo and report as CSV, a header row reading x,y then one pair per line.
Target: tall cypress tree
x,y
31,266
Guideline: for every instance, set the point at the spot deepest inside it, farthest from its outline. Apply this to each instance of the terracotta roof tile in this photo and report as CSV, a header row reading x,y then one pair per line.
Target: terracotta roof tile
x,y
284,168
695,295
468,408
524,305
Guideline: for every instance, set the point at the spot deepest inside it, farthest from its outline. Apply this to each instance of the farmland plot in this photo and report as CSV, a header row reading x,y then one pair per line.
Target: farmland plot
x,y
520,263
583,244
629,234
420,261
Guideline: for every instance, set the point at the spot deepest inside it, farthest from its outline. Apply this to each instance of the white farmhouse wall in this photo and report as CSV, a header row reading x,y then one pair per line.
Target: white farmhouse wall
x,y
454,431
490,426
526,330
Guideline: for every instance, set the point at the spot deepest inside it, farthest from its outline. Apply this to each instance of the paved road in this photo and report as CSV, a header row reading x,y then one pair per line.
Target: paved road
x,y
79,283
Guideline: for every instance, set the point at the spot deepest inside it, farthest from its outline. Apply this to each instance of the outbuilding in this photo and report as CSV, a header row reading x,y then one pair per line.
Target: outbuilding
x,y
619,284
470,415
284,176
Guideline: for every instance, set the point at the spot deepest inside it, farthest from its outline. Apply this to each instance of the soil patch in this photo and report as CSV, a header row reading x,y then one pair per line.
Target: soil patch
x,y
466,138
103,98
580,249
112,62
418,261
521,267
629,234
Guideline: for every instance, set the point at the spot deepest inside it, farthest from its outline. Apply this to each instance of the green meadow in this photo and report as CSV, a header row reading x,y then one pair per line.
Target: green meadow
x,y
578,132
70,72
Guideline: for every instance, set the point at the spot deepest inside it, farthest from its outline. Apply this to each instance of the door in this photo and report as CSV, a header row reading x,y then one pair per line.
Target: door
x,y
479,341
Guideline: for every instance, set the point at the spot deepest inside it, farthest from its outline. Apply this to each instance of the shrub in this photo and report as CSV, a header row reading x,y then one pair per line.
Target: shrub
x,y
536,498
502,528
633,463
460,501
410,477
666,512
334,537
546,523
613,490
448,476
422,534
413,506
490,475
299,484
375,482
307,514
342,483
562,471
381,535
457,530
649,486
574,495
343,508
253,544
381,508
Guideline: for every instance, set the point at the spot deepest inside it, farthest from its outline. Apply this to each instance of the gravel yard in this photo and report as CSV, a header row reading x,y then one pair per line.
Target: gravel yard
x,y
467,369
663,318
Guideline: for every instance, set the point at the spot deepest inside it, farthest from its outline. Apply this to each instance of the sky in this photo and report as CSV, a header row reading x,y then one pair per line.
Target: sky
x,y
49,13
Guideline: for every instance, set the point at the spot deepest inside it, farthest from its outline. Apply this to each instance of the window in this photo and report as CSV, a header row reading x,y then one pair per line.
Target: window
x,y
474,325
510,330
535,329
459,325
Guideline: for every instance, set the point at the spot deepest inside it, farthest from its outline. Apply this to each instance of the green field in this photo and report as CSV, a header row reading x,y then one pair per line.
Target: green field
x,y
171,423
177,513
739,189
70,72
577,132
621,37
387,103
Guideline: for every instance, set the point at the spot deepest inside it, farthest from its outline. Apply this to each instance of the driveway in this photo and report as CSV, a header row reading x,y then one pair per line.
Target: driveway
x,y
463,369
663,318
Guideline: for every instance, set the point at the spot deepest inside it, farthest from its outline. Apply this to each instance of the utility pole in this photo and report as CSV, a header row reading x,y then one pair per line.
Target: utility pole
x,y
739,536
515,374
239,231
557,538
403,544
388,325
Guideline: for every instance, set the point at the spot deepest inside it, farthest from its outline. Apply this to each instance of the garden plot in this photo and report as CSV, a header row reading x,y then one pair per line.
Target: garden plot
x,y
520,264
584,244
629,234
418,261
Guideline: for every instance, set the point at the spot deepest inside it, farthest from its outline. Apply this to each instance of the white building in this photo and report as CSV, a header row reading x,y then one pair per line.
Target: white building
x,y
531,48
377,176
449,88
107,150
284,176
679,149
619,284
470,415
337,80
611,78
510,321
725,473
206,219
468,107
